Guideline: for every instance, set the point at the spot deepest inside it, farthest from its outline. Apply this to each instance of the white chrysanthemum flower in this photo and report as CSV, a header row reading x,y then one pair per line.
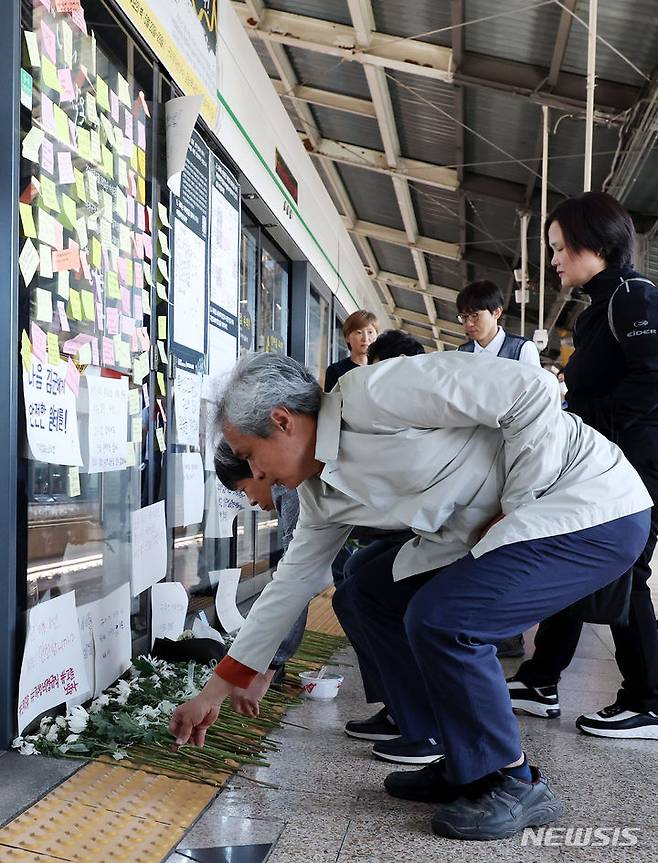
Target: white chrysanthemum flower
x,y
78,719
46,722
119,755
17,742
124,691
52,735
99,703
167,707
155,680
72,738
28,748
63,748
60,721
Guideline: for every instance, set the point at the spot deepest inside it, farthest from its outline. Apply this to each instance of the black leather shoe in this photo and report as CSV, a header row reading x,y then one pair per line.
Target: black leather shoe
x,y
428,785
501,807
378,727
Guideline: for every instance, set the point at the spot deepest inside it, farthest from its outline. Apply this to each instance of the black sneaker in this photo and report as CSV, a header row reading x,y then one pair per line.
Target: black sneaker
x,y
401,751
617,721
379,727
428,785
536,700
510,647
501,807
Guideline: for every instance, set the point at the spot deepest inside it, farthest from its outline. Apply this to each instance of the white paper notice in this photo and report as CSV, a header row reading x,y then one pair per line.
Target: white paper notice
x,y
222,353
53,667
51,415
168,610
180,117
112,640
149,546
187,404
108,423
222,506
188,488
225,246
86,627
227,610
189,280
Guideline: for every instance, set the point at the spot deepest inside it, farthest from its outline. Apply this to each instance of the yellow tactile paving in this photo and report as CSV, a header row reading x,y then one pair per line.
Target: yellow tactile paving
x,y
19,855
85,834
321,617
137,793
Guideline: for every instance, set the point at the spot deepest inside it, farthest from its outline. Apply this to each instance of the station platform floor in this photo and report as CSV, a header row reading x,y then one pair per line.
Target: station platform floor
x,y
330,807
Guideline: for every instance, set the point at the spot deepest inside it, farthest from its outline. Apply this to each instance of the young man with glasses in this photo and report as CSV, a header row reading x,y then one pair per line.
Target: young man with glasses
x,y
480,306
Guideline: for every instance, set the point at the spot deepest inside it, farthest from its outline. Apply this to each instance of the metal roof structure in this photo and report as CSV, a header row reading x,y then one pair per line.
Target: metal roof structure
x,y
424,119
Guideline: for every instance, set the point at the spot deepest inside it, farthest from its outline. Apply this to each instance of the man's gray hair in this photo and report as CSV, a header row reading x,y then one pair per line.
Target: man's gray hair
x,y
261,382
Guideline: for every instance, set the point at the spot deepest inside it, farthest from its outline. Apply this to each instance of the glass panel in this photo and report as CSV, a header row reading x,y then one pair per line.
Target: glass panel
x,y
340,347
248,282
85,183
318,335
273,301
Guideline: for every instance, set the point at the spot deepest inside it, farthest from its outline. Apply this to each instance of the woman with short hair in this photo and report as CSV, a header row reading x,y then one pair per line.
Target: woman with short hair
x,y
359,330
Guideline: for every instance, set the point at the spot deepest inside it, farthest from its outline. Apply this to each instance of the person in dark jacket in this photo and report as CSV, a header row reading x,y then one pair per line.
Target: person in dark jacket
x,y
360,331
480,306
612,381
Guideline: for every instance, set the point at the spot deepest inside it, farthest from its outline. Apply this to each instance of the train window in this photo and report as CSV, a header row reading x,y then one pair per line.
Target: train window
x,y
318,335
272,300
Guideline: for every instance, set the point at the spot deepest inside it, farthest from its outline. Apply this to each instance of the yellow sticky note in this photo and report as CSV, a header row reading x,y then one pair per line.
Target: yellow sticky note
x,y
64,284
136,429
44,305
108,161
61,125
121,352
73,481
159,436
84,143
49,74
80,184
162,327
123,91
26,351
141,190
67,42
92,186
146,302
134,401
112,286
84,355
75,307
102,94
69,214
141,161
125,243
164,242
46,261
27,220
162,292
49,193
53,349
122,173
147,273
130,455
88,308
32,48
95,253
162,386
163,215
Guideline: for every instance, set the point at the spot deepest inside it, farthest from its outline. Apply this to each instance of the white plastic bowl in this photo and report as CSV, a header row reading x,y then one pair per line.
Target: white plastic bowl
x,y
323,689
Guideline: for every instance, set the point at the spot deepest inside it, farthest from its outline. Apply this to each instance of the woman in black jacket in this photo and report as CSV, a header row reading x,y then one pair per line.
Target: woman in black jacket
x,y
612,380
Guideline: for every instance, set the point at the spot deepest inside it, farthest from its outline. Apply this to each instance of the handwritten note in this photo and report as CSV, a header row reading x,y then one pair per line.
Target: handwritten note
x,y
169,603
148,546
187,403
188,489
51,415
107,427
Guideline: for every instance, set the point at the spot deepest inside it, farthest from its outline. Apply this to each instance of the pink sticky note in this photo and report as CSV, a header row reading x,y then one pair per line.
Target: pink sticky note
x,y
72,378
86,269
47,115
78,18
148,247
138,244
108,352
48,42
145,393
99,315
59,236
45,3
134,343
114,106
112,319
65,167
123,270
128,124
125,301
127,147
132,183
66,93
138,311
130,210
48,156
127,325
39,341
144,338
141,218
63,320
72,346
138,277
95,359
141,135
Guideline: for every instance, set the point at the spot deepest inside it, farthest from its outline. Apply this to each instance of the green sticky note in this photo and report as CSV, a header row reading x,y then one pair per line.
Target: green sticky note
x,y
162,386
61,125
80,185
26,89
92,186
49,193
49,74
69,214
112,286
88,309
136,428
134,402
108,161
102,94
44,306
162,326
96,253
75,307
121,352
84,143
64,284
27,221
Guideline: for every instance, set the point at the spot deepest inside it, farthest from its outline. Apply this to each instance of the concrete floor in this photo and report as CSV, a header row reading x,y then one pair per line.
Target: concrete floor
x,y
330,804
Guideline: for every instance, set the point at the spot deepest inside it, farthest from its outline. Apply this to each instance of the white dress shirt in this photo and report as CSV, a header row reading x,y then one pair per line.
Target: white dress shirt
x,y
440,443
529,353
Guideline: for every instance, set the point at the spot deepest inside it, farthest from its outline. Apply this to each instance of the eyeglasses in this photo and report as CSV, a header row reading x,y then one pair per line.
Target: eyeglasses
x,y
473,316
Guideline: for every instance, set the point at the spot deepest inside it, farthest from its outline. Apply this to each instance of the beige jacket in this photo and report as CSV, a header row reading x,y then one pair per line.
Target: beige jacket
x,y
440,443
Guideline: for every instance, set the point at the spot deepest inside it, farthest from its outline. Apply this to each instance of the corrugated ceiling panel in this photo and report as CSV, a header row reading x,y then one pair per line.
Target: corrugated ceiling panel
x,y
294,117
401,18
423,110
566,156
394,259
444,273
506,121
349,128
266,60
629,25
372,195
407,299
319,167
336,10
436,212
525,36
492,228
644,194
329,73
